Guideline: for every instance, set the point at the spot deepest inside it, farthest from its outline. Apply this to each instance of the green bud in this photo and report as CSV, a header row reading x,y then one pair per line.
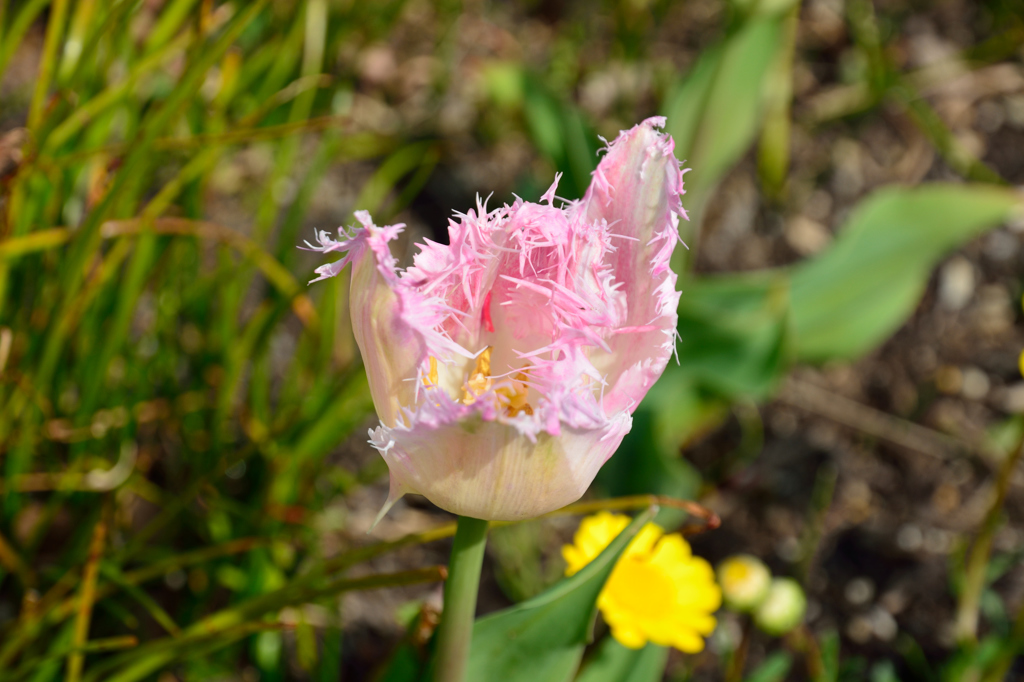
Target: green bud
x,y
783,609
745,581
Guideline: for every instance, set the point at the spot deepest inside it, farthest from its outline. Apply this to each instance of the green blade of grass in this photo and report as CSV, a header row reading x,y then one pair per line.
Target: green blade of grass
x,y
150,657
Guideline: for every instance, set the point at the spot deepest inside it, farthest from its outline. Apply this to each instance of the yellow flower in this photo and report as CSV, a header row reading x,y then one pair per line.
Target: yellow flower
x,y
658,592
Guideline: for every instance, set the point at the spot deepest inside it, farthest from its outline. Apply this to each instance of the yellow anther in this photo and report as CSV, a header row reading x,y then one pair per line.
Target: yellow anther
x,y
479,379
514,395
431,378
517,394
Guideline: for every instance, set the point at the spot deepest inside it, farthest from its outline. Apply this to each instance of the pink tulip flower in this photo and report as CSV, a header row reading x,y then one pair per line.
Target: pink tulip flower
x,y
505,365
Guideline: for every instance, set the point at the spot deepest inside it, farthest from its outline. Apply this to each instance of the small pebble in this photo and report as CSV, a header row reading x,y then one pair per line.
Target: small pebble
x,y
894,601
819,206
1011,399
990,116
975,384
806,236
956,283
788,549
883,624
860,629
1016,220
949,379
909,538
1008,539
995,310
946,498
859,591
937,541
1015,110
1001,245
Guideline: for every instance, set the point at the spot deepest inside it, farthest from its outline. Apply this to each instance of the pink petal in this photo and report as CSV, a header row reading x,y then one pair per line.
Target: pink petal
x,y
636,189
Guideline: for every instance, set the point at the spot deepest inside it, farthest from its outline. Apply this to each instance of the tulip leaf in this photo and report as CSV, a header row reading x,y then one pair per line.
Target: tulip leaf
x,y
714,112
542,639
733,333
853,296
615,663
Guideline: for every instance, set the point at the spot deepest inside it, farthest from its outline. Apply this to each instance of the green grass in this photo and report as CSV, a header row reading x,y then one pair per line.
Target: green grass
x,y
139,368
170,388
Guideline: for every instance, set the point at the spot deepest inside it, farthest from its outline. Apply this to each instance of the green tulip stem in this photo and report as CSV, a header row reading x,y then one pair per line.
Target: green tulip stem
x,y
460,590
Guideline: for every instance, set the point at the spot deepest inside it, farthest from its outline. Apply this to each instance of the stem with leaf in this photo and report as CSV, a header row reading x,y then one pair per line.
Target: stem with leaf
x,y
460,591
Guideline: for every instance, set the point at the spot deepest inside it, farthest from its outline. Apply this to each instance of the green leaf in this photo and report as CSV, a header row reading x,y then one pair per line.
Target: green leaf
x,y
562,135
829,657
774,669
733,333
329,668
714,112
542,640
615,663
404,161
773,150
850,298
884,671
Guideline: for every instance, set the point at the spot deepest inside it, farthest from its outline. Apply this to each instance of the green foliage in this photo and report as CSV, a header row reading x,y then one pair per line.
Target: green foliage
x,y
561,134
144,361
613,662
714,112
526,561
774,669
647,460
850,298
170,381
542,639
733,333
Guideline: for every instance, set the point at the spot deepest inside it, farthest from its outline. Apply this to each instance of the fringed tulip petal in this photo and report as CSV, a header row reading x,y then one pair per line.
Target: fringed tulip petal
x,y
505,365
637,192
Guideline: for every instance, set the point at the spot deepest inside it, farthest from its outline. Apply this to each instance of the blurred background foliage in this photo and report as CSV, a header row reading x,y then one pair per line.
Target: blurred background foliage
x,y
184,486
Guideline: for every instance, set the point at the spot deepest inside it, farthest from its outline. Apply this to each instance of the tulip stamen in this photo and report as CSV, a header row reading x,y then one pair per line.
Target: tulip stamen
x,y
479,378
517,394
512,395
432,378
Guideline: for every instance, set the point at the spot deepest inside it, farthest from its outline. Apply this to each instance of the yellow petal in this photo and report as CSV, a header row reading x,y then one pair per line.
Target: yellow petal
x,y
629,637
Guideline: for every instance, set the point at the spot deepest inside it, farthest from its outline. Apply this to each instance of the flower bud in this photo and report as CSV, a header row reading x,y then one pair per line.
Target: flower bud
x,y
744,580
783,609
